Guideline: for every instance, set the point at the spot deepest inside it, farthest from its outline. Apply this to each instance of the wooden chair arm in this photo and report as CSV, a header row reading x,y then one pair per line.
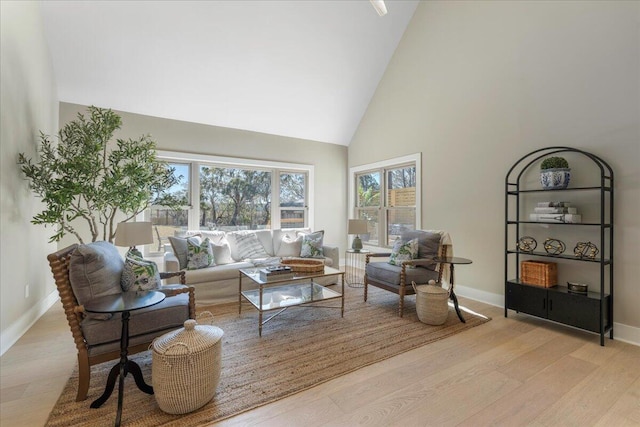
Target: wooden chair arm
x,y
376,255
170,274
419,262
173,290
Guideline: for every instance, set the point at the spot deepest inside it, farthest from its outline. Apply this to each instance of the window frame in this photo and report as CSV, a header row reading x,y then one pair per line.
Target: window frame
x,y
382,167
276,168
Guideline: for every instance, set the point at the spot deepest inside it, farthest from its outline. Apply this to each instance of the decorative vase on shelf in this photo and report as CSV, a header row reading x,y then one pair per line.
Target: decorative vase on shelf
x,y
554,173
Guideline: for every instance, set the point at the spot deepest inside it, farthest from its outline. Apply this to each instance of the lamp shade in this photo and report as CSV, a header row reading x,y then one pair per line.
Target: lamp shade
x,y
357,226
134,233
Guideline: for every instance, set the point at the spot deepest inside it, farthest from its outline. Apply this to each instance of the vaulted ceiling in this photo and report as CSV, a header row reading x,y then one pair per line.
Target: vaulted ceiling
x,y
304,69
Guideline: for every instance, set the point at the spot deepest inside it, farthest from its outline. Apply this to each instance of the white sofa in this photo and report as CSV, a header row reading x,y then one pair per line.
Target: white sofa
x,y
219,282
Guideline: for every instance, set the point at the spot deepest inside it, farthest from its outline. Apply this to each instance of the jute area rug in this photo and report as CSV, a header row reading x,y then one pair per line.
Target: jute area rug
x,y
299,349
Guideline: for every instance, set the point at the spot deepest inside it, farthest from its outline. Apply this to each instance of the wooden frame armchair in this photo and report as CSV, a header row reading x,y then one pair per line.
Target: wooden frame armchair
x,y
88,354
399,278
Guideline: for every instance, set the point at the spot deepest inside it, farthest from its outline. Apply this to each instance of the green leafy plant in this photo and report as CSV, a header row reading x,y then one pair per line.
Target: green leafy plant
x,y
554,163
86,176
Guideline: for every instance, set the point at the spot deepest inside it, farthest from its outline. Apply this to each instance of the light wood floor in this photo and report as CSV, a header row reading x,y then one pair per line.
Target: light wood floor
x,y
514,371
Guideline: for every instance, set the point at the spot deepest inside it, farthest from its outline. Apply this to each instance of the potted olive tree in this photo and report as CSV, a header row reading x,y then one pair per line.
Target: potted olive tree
x,y
85,176
555,173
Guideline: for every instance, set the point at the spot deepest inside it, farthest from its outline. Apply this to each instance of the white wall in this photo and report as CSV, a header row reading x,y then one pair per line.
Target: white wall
x,y
475,85
28,105
329,160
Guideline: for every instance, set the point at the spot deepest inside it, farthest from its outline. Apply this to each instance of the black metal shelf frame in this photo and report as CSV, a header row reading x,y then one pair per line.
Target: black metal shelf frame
x,y
514,191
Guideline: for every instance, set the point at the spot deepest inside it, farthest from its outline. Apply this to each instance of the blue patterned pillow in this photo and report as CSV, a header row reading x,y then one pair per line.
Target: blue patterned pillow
x,y
199,256
139,274
403,251
312,245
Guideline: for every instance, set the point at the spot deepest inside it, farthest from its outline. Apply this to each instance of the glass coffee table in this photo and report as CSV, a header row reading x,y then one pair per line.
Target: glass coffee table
x,y
280,294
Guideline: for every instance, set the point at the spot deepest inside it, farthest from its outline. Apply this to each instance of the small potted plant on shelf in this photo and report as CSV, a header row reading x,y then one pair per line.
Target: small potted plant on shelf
x,y
555,173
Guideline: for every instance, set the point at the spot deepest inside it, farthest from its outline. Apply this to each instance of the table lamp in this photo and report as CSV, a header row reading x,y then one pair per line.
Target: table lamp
x,y
357,227
134,233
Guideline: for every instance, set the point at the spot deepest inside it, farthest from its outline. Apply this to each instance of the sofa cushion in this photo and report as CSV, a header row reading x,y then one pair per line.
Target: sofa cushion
x,y
95,270
199,256
390,274
170,313
289,233
217,272
139,274
246,245
312,244
215,236
179,246
289,246
403,251
265,262
221,253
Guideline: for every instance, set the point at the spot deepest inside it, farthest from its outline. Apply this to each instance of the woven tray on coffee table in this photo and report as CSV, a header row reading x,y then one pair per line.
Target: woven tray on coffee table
x,y
304,266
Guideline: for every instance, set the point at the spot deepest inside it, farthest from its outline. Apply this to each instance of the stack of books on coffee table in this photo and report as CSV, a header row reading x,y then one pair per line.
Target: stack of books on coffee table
x,y
278,272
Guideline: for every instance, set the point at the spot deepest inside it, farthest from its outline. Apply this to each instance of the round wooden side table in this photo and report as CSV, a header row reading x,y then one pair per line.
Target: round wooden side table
x,y
124,303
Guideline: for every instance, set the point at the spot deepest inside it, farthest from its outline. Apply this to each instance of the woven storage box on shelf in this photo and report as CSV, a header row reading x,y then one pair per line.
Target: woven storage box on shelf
x,y
186,367
304,265
539,273
432,304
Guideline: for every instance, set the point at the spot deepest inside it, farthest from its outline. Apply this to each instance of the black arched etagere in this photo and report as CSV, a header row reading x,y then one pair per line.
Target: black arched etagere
x,y
593,311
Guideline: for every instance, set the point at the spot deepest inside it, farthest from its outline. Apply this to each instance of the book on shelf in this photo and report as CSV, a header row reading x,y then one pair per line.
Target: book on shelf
x,y
555,210
554,204
559,218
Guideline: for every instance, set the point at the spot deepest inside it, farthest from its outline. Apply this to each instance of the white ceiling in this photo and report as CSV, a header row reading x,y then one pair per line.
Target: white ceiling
x,y
304,69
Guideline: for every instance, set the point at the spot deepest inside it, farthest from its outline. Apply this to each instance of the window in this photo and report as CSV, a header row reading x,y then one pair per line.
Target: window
x,y
234,198
168,221
396,209
293,200
233,194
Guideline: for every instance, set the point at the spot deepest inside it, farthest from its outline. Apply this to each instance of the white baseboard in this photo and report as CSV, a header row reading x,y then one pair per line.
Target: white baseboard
x,y
622,332
22,325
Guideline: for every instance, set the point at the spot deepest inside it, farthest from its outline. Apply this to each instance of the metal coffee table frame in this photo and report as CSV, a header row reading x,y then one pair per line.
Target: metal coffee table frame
x,y
297,291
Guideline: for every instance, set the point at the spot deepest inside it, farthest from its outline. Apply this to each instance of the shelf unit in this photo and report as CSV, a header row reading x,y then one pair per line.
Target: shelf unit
x,y
593,311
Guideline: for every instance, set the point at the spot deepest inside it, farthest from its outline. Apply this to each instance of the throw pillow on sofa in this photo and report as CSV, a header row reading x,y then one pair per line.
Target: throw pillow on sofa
x,y
290,246
199,256
222,253
403,251
249,247
179,245
139,274
312,245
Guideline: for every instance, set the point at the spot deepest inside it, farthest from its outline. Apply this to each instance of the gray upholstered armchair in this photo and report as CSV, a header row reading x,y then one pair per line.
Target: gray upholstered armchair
x,y
97,338
398,278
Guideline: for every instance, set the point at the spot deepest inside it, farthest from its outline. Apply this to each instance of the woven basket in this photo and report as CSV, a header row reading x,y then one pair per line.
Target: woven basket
x,y
304,265
431,303
539,273
186,367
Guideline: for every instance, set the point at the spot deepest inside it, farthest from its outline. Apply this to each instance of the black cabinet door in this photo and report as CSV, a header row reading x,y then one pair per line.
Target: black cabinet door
x,y
575,310
527,299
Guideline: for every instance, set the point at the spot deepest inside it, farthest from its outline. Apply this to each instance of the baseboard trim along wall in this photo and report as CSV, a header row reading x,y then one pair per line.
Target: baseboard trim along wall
x,y
22,325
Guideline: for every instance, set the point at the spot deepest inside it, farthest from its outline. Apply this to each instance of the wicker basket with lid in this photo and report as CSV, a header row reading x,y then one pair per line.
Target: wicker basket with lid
x,y
186,366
